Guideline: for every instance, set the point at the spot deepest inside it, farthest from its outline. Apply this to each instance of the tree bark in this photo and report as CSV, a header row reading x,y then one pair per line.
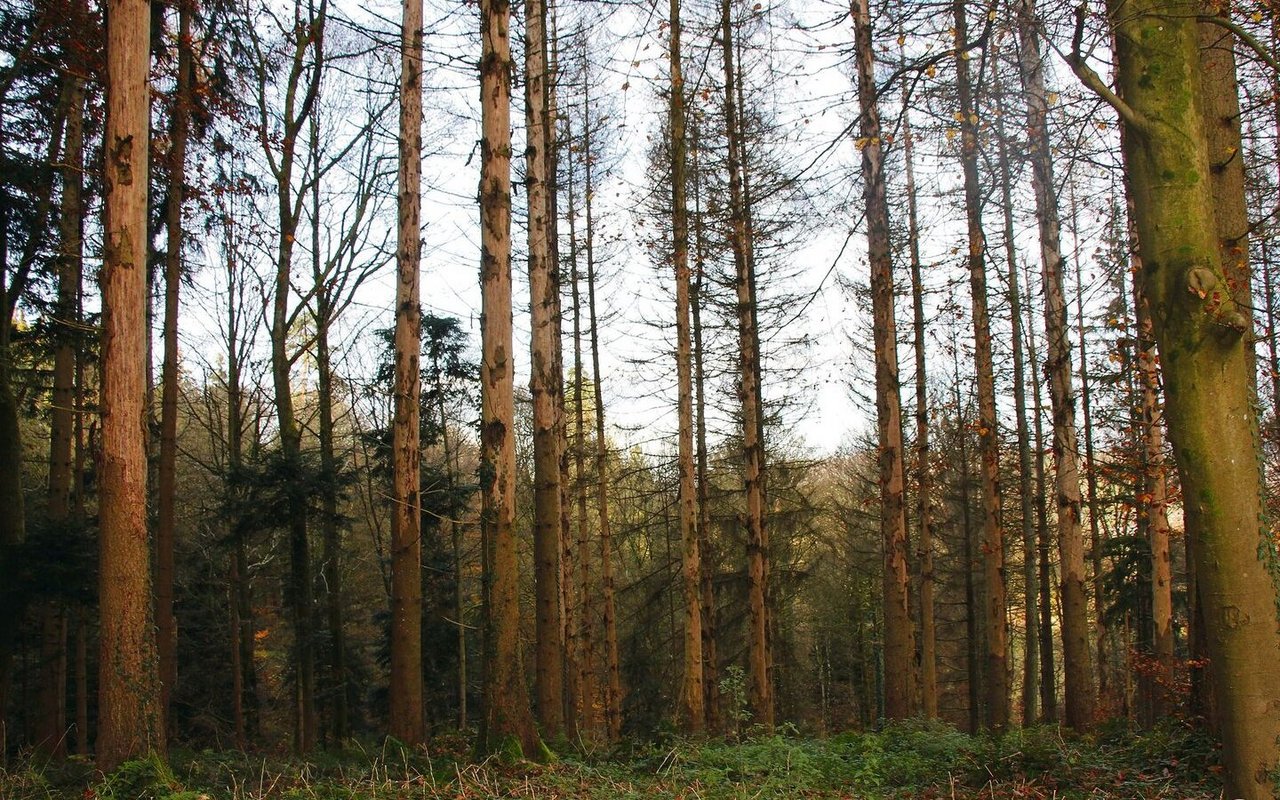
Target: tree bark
x,y
761,683
1201,333
1078,683
899,645
693,709
994,622
545,385
406,691
509,727
166,532
130,720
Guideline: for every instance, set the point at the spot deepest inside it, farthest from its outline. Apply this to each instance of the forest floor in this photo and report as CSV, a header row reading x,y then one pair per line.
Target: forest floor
x,y
911,760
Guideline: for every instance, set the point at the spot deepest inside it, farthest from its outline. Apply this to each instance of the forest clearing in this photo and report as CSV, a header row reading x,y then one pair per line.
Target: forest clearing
x,y
703,398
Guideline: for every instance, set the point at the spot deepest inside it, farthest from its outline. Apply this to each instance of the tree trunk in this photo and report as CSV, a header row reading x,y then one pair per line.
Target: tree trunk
x,y
924,488
706,553
1044,570
1078,683
761,684
1153,498
1030,689
613,669
130,721
51,737
545,385
994,623
509,727
406,723
899,647
1202,337
693,710
166,623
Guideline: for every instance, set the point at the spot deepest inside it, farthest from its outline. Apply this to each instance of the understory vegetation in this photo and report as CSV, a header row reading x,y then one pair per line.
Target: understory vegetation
x,y
909,759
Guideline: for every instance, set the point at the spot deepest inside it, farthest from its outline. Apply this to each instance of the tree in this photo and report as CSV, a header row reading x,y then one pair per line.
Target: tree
x,y
1078,683
1200,330
545,381
692,701
180,124
899,645
508,725
995,625
406,722
130,721
758,659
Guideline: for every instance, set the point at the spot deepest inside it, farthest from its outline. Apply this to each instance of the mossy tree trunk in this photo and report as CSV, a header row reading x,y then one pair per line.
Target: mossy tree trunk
x,y
1202,334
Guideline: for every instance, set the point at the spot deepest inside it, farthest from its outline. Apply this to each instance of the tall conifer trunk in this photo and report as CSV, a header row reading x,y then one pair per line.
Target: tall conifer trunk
x,y
899,645
130,720
692,701
508,724
996,680
406,723
1078,682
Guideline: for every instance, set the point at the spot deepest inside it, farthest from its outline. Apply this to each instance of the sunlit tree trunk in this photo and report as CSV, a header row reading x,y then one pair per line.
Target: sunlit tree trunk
x,y
130,719
1044,549
508,725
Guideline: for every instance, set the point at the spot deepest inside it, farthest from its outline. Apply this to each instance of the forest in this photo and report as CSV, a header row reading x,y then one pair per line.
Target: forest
x,y
856,400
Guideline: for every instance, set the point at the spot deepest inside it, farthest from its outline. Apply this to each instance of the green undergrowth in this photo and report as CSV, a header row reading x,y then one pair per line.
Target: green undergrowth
x,y
905,760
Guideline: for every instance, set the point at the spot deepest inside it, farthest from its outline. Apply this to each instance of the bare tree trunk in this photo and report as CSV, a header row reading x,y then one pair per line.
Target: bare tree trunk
x,y
924,488
973,632
693,710
899,647
1044,570
613,669
994,622
406,723
130,720
707,556
1075,613
166,624
545,385
1096,534
51,736
1030,689
509,727
761,684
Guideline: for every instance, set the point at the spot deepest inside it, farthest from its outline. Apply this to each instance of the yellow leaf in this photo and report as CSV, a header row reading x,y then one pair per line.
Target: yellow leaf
x,y
901,40
931,70
1053,98
951,134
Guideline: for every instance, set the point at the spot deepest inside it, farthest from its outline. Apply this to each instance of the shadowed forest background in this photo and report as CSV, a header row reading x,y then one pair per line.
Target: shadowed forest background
x,y
884,402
